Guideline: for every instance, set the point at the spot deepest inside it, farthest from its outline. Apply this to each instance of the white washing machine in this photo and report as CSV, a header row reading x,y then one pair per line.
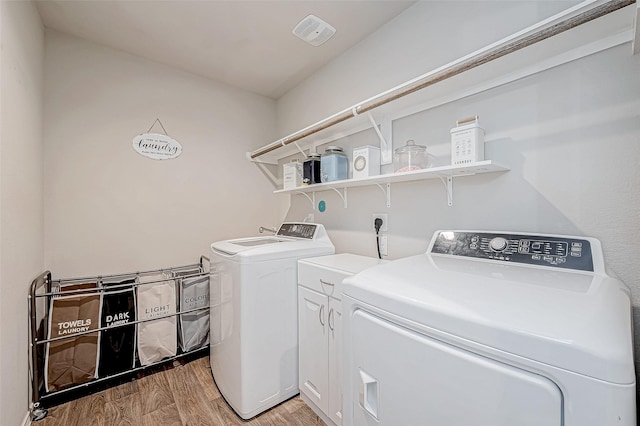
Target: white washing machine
x,y
490,329
254,332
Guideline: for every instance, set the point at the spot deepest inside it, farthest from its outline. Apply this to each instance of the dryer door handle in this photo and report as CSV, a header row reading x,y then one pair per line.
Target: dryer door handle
x,y
369,394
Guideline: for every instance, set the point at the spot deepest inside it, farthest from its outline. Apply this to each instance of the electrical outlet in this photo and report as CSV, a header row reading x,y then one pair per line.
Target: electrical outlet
x,y
385,221
384,246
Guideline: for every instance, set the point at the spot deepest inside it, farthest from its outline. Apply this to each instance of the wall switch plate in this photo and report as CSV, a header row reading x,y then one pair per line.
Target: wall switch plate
x,y
385,221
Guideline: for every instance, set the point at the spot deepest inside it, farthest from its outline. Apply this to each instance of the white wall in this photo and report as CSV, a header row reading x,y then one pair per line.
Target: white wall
x,y
424,37
570,135
21,214
108,209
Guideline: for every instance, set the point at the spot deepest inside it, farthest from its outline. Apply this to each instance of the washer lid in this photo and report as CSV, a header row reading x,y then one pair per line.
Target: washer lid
x,y
573,320
269,248
293,240
233,247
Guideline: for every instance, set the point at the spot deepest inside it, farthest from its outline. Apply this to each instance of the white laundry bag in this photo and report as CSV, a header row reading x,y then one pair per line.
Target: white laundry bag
x,y
156,339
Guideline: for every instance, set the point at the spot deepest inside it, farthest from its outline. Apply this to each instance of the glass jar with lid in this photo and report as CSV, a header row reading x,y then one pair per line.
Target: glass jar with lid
x,y
334,164
411,157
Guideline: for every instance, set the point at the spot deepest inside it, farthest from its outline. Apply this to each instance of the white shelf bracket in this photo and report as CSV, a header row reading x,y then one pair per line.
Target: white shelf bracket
x,y
448,186
262,165
311,199
385,144
387,193
342,195
386,154
300,149
272,178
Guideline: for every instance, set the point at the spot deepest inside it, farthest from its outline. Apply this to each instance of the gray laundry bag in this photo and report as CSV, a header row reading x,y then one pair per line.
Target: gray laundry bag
x,y
156,339
194,326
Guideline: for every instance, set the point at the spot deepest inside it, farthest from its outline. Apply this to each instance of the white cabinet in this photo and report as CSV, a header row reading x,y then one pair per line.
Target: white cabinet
x,y
320,330
312,343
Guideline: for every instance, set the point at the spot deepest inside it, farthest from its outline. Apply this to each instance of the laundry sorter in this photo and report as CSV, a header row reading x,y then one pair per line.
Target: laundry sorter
x,y
85,331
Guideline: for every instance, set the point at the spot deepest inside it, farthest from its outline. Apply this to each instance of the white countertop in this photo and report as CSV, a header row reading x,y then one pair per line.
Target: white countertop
x,y
346,262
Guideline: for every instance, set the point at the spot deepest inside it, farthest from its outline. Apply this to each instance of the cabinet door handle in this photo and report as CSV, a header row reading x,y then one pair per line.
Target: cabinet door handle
x,y
330,316
326,282
320,315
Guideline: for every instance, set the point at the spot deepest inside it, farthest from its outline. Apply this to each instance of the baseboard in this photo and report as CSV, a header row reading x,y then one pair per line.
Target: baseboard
x,y
316,410
27,419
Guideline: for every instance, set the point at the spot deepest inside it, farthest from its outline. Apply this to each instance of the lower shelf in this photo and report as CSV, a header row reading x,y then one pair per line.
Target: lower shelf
x,y
444,173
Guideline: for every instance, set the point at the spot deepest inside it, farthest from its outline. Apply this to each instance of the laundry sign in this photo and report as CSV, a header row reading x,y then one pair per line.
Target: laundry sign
x,y
157,146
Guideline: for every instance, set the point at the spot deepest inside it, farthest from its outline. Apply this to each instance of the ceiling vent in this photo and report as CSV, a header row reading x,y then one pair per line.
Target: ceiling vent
x,y
314,30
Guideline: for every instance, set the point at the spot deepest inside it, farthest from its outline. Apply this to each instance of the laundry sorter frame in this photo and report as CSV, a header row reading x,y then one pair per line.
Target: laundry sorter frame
x,y
46,282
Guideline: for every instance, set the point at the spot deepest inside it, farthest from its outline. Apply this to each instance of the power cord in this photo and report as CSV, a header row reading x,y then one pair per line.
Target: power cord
x,y
378,224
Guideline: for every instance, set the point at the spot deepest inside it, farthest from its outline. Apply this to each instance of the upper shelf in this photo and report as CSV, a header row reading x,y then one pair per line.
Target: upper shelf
x,y
586,28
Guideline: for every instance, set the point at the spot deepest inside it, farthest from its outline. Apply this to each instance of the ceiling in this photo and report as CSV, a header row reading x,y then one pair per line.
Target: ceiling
x,y
247,44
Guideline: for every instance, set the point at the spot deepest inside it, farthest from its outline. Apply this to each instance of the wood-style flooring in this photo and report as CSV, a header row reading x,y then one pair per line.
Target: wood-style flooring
x,y
178,396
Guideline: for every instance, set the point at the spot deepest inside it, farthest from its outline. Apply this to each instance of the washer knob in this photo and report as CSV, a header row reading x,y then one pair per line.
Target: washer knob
x,y
498,244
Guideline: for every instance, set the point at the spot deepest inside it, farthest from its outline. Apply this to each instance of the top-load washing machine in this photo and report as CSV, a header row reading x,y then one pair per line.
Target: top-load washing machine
x,y
254,328
490,329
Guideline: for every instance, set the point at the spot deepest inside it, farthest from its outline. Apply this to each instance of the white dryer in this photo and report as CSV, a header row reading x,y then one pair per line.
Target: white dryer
x,y
490,329
254,332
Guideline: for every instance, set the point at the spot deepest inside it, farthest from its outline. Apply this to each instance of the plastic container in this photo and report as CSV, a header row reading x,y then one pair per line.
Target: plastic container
x,y
334,164
411,157
311,169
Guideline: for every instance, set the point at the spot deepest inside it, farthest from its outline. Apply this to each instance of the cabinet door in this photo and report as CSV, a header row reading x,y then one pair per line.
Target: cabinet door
x,y
312,344
335,361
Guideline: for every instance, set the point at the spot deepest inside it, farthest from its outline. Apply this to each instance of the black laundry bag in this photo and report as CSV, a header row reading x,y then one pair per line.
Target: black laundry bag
x,y
117,346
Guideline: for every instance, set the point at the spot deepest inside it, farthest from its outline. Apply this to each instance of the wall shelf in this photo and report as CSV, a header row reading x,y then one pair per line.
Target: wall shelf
x,y
497,64
444,173
581,30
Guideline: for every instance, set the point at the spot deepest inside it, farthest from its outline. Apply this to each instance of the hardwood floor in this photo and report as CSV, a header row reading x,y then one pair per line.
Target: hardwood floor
x,y
178,396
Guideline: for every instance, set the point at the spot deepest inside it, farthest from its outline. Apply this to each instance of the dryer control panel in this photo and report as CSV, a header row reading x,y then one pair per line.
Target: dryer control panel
x,y
554,251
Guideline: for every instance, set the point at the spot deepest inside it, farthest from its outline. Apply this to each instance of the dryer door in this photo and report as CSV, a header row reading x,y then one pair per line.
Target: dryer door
x,y
399,377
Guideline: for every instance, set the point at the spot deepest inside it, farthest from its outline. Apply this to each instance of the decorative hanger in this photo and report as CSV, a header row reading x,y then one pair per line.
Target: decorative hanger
x,y
156,145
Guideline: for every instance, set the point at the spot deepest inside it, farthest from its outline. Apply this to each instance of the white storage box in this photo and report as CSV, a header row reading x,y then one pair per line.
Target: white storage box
x,y
292,175
366,162
467,142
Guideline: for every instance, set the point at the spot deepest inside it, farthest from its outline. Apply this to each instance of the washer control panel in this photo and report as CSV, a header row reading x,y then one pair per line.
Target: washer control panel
x,y
297,230
559,252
